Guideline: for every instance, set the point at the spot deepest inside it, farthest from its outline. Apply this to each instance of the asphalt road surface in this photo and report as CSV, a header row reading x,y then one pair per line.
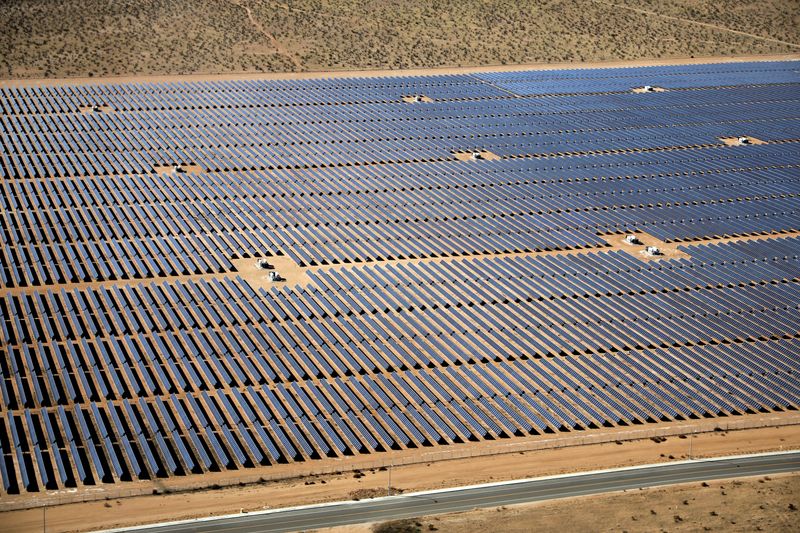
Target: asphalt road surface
x,y
462,499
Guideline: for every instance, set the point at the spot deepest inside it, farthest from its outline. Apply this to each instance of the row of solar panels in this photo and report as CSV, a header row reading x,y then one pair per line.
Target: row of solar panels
x,y
217,155
127,364
681,102
343,330
99,142
668,82
218,202
760,251
650,170
672,273
103,216
126,259
99,442
601,272
608,80
298,203
124,364
363,153
114,259
554,326
394,152
246,85
539,112
756,68
296,92
99,259
339,244
102,162
184,100
431,284
155,130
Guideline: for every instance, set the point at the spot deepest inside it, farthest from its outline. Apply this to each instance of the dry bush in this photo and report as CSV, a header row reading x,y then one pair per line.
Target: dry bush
x,y
397,526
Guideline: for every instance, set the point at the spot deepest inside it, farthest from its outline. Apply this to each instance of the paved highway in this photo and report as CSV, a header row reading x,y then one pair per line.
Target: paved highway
x,y
496,494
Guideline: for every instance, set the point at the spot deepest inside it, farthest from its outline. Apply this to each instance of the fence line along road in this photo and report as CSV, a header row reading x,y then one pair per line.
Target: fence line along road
x,y
489,495
452,453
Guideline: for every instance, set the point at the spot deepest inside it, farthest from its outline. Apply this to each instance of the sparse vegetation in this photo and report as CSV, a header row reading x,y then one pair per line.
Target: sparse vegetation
x,y
774,19
63,38
398,526
46,38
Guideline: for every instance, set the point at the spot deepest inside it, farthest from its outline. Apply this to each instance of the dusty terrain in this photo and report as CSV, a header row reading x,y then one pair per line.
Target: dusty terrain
x,y
73,38
130,511
379,73
766,18
767,503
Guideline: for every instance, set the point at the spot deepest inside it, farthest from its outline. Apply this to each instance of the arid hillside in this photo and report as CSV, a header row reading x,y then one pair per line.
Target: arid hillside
x,y
65,38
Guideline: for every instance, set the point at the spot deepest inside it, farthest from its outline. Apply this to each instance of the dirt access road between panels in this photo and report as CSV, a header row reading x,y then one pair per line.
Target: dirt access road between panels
x,y
36,82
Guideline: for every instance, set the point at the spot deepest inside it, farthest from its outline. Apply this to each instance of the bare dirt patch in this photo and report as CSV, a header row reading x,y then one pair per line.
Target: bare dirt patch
x,y
188,168
290,272
476,156
89,109
417,98
666,250
648,89
738,141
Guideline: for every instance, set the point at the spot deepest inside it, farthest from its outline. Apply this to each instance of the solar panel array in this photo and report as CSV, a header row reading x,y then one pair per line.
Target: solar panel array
x,y
445,301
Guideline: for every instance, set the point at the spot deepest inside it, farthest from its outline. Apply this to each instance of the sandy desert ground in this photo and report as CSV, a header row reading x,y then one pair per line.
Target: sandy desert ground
x,y
96,38
766,503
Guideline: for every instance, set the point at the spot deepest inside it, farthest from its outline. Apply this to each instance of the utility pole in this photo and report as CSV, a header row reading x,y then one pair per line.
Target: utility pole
x,y
389,486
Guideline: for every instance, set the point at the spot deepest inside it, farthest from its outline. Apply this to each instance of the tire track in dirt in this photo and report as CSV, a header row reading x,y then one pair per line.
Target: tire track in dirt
x,y
270,37
698,23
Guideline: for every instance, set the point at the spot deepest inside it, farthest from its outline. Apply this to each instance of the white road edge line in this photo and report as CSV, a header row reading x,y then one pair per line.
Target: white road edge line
x,y
449,489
